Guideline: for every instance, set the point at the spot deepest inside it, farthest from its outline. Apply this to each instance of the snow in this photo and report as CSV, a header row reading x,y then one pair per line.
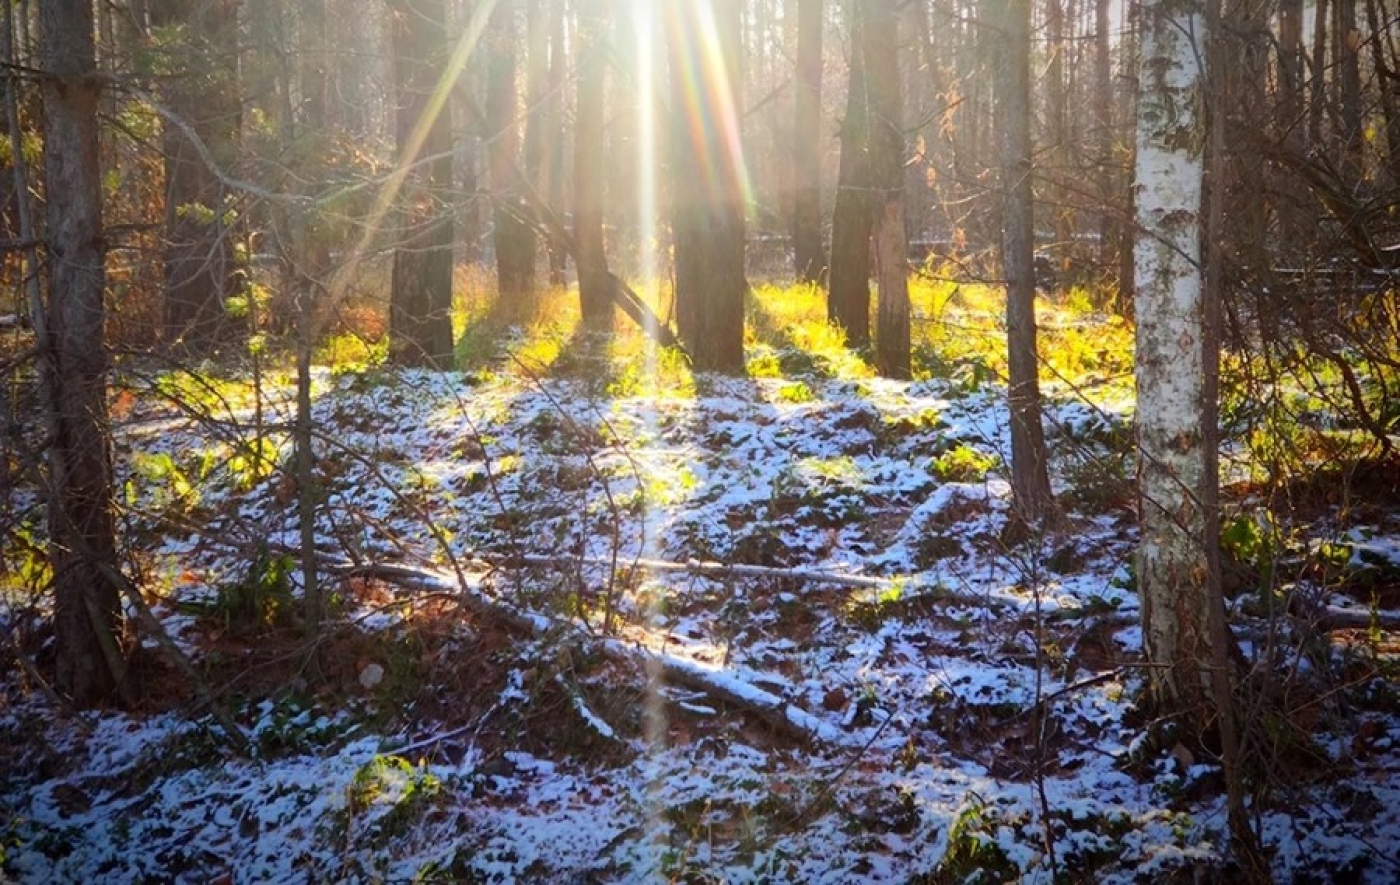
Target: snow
x,y
917,697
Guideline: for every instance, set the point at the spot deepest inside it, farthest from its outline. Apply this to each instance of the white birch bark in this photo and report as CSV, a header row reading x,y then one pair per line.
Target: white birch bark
x,y
1174,472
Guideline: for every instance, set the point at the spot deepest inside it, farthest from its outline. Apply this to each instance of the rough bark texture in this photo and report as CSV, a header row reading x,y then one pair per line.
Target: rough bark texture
x,y
589,168
87,612
514,237
809,255
420,300
852,218
1178,601
709,182
887,162
203,91
1030,479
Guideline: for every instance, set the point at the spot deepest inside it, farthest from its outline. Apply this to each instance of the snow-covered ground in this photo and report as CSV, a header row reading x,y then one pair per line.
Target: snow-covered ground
x,y
972,712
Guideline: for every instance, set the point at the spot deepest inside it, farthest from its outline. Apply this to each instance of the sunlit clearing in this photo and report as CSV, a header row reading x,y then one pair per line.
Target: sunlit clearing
x,y
789,334
959,334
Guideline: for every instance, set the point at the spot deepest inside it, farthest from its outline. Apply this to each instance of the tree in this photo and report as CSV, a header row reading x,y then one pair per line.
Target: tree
x,y
420,299
1185,636
1178,602
589,166
807,249
199,42
848,291
708,181
887,178
87,611
1030,479
543,84
514,237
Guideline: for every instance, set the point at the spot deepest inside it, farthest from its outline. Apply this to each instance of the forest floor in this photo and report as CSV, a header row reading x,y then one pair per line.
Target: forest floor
x,y
536,668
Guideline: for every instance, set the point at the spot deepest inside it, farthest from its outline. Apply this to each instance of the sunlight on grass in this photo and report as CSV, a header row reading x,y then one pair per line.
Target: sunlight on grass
x,y
351,352
960,334
788,334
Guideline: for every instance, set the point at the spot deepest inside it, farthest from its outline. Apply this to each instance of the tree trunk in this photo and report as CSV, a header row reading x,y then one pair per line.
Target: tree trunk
x,y
1030,482
1057,134
709,183
1109,217
1346,43
539,137
1217,671
1185,635
1317,90
1290,68
420,299
852,219
1178,602
202,91
590,168
887,164
82,536
809,255
1383,58
553,190
514,236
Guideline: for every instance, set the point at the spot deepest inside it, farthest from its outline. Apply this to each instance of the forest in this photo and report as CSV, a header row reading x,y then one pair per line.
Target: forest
x,y
698,441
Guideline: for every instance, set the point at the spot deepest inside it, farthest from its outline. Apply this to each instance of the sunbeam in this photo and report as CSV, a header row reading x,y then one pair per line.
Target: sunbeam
x,y
708,90
389,191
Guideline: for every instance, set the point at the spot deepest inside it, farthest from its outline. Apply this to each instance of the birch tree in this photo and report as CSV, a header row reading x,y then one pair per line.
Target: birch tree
x,y
1185,636
1178,602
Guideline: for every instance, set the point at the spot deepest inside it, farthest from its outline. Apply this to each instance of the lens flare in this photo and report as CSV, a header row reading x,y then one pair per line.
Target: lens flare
x,y
708,89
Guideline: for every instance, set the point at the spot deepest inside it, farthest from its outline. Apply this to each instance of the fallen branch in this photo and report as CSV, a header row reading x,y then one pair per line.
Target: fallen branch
x,y
702,568
1331,617
717,682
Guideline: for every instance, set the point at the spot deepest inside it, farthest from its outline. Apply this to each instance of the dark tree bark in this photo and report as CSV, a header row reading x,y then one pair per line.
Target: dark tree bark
x,y
808,251
420,299
1030,480
87,611
852,219
1317,86
590,170
203,92
887,168
1346,43
1290,67
514,236
708,183
1388,83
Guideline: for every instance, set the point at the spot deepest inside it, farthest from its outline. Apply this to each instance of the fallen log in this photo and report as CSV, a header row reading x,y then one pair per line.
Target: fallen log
x,y
718,682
